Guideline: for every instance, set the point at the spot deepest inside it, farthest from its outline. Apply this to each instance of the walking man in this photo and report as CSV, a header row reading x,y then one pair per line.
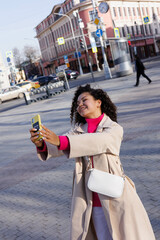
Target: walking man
x,y
139,67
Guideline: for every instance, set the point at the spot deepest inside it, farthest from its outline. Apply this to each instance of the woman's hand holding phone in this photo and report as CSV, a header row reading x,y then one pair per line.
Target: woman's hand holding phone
x,y
35,137
49,136
40,132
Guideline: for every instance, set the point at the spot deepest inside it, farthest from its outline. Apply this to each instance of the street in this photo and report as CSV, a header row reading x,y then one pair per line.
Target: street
x,y
35,196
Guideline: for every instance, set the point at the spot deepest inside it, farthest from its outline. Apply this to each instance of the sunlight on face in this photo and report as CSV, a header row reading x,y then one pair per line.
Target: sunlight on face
x,y
87,106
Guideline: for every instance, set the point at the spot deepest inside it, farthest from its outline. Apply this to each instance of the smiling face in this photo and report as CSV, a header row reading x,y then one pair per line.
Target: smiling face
x,y
87,106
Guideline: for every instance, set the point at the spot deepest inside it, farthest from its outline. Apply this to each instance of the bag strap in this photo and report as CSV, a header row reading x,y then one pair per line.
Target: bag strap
x,y
90,167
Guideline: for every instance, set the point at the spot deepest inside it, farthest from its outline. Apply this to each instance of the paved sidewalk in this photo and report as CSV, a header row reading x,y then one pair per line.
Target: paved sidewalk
x,y
35,197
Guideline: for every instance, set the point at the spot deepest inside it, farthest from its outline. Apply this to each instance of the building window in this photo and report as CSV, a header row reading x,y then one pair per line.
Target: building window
x,y
114,11
70,5
67,27
64,9
143,11
137,30
62,31
123,32
153,14
150,29
73,23
156,31
46,41
134,13
119,10
82,1
124,10
92,15
132,30
138,11
128,30
147,11
146,29
142,30
129,11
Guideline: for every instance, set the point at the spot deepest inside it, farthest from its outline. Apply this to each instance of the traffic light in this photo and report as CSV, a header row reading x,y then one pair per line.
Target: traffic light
x,y
129,43
82,43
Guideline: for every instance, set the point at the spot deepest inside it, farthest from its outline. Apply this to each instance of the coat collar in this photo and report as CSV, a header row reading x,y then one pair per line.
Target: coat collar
x,y
105,122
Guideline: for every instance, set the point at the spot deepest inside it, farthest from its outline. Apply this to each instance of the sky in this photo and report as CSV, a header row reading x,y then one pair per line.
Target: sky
x,y
18,19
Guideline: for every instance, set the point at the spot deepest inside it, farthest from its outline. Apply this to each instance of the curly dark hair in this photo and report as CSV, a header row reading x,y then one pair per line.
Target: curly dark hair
x,y
107,105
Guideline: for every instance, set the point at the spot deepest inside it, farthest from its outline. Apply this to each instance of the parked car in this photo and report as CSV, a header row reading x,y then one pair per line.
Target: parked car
x,y
34,76
44,80
55,77
28,85
11,93
71,74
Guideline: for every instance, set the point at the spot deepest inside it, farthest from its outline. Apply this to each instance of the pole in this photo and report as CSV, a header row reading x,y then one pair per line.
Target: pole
x,y
107,71
66,79
80,68
84,40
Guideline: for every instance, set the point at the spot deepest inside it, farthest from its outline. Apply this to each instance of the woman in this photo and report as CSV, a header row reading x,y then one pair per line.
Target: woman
x,y
96,139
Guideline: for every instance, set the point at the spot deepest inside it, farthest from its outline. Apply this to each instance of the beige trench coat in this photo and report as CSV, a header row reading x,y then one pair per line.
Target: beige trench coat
x,y
125,216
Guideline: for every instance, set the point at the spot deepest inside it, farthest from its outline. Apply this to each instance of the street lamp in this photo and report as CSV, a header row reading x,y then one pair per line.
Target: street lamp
x,y
60,14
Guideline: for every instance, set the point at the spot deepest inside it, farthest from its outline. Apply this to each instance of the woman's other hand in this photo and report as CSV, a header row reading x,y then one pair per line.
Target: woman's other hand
x,y
34,136
49,136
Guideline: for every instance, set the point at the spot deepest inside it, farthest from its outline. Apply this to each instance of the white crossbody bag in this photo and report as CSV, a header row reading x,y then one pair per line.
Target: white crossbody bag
x,y
105,183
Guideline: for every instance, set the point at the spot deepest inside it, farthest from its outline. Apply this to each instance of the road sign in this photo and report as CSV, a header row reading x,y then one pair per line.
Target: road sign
x,y
93,44
81,24
128,36
94,49
8,59
66,59
60,40
62,67
9,54
99,32
146,20
92,41
116,33
79,54
96,21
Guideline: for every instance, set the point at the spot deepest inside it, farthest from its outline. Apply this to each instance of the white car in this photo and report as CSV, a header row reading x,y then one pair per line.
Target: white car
x,y
11,93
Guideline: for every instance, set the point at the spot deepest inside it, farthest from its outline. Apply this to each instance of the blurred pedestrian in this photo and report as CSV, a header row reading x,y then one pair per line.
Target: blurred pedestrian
x,y
140,68
95,141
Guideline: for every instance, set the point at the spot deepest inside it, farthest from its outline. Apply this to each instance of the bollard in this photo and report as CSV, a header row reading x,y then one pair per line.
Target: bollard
x,y
27,98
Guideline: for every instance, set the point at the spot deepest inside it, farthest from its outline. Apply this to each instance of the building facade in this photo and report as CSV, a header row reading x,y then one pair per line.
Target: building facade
x,y
138,21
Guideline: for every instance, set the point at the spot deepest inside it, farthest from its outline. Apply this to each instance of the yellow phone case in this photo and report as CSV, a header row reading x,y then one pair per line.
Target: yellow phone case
x,y
36,123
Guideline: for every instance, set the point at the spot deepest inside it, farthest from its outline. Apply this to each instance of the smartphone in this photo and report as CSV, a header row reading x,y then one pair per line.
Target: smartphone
x,y
36,123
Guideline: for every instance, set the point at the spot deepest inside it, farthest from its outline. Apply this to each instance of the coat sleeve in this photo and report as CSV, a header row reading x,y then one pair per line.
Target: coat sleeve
x,y
53,151
90,144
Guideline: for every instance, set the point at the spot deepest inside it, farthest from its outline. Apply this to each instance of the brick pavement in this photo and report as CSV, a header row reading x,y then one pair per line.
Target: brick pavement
x,y
35,197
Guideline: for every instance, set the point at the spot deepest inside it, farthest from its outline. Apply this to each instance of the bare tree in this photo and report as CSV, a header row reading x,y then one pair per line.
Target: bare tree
x,y
17,57
30,53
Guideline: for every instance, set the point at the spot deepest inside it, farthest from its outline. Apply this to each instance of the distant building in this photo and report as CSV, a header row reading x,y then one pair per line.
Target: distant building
x,y
137,21
4,80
